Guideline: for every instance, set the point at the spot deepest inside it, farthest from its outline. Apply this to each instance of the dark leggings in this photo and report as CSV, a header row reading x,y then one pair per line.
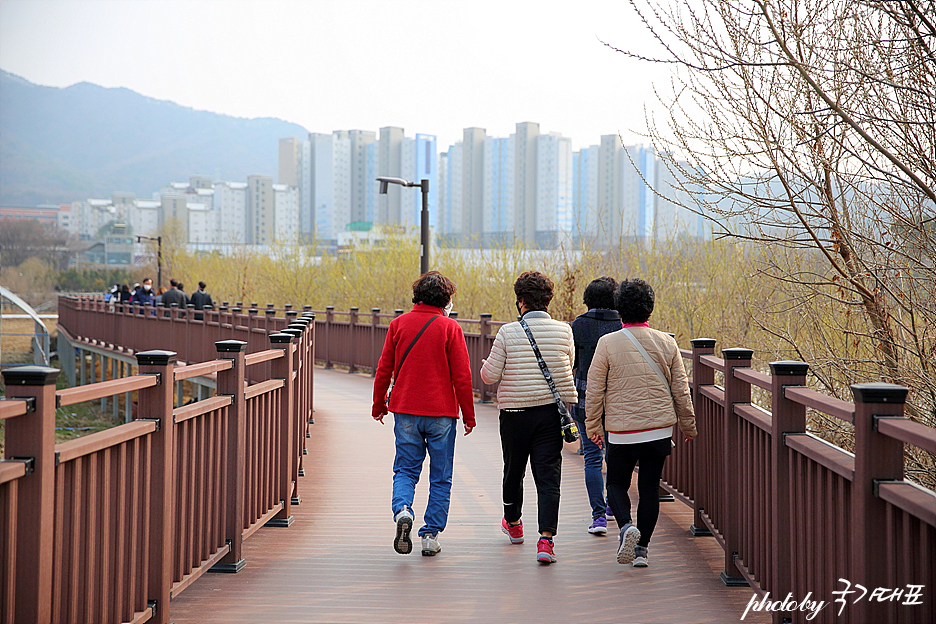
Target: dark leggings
x,y
621,461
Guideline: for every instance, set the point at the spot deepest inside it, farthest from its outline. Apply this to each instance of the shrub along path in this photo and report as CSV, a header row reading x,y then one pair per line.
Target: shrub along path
x,y
336,562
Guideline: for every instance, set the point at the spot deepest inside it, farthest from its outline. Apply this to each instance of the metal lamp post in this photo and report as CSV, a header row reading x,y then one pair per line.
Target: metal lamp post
x,y
158,240
423,216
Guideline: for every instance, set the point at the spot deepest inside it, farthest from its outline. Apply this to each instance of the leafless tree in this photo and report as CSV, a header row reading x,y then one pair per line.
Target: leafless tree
x,y
810,126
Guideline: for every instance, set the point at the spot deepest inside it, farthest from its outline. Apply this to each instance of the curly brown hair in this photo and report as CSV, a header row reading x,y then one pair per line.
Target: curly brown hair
x,y
433,288
534,289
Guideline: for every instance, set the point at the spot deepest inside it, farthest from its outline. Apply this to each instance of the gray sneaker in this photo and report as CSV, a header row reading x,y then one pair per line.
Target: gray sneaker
x,y
640,557
404,524
628,539
430,545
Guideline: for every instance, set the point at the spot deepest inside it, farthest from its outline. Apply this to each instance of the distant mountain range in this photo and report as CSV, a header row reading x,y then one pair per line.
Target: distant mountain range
x,y
61,145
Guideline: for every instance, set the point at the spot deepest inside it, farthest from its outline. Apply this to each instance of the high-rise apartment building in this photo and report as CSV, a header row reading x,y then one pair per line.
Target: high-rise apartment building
x,y
498,222
585,194
390,163
230,201
285,213
525,181
260,206
426,165
472,225
553,190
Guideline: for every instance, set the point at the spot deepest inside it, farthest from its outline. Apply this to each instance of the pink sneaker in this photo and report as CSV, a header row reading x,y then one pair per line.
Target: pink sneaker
x,y
544,551
514,532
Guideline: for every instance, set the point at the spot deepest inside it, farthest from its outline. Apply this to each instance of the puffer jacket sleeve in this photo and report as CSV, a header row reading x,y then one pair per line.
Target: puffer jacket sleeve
x,y
570,393
493,366
595,390
682,399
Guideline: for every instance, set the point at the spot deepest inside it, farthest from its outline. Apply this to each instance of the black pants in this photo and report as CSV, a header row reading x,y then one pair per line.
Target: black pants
x,y
621,461
532,433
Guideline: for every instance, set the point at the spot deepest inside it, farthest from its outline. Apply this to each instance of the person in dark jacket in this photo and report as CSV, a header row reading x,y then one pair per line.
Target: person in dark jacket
x,y
200,299
587,328
176,296
429,386
145,294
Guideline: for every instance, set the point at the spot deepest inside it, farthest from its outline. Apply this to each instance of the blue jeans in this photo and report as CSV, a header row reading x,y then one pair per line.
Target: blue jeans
x,y
414,436
594,482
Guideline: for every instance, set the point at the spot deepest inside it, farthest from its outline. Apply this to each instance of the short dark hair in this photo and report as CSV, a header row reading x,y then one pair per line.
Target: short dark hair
x,y
534,289
172,282
600,293
180,286
433,288
634,300
202,285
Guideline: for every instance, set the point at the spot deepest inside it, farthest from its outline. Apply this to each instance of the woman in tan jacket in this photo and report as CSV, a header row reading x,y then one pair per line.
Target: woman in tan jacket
x,y
638,382
530,428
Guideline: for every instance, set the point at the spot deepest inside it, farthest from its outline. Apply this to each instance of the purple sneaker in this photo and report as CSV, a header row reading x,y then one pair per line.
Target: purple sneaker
x,y
599,526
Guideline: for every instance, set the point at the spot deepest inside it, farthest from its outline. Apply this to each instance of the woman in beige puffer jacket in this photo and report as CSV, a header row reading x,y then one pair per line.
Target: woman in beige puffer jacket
x,y
530,427
638,403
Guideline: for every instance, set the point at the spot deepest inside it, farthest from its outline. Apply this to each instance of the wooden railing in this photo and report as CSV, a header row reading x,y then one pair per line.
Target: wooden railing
x,y
795,514
108,527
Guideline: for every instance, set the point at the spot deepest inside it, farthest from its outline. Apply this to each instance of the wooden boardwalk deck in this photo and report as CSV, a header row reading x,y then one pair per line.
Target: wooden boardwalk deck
x,y
336,563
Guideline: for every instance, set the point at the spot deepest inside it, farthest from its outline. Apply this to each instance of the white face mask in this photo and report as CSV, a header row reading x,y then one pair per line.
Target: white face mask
x,y
147,287
448,308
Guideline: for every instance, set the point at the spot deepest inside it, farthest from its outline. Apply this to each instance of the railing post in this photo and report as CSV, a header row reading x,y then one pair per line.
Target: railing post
x,y
282,368
33,436
329,318
299,440
786,417
736,391
155,403
374,354
308,363
352,340
702,375
231,382
877,458
484,330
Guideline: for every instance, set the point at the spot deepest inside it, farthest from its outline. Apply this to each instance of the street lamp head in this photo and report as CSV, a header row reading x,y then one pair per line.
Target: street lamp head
x,y
386,181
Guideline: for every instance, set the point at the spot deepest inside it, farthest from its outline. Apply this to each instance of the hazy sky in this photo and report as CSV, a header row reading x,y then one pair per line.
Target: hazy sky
x,y
428,66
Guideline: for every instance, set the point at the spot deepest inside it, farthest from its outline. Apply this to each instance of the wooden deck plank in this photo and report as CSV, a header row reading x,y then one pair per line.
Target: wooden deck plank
x,y
337,564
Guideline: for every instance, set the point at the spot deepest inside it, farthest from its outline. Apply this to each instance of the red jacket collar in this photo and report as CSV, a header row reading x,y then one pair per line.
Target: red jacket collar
x,y
428,309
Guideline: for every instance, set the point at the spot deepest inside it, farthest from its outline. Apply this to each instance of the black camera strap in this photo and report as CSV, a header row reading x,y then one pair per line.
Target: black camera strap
x,y
545,369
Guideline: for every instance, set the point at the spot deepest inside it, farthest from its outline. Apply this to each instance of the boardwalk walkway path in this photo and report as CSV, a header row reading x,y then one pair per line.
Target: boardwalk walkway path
x,y
336,563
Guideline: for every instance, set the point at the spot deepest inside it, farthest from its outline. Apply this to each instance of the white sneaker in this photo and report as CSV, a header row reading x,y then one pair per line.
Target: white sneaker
x,y
629,537
430,545
404,524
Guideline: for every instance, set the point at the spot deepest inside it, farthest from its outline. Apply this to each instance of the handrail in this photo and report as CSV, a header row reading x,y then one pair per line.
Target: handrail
x,y
753,377
906,430
73,449
264,356
835,459
200,408
10,470
713,362
11,408
200,370
263,387
80,394
820,402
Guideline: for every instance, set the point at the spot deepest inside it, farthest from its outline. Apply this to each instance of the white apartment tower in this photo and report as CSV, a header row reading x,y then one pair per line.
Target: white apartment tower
x,y
525,181
553,189
472,189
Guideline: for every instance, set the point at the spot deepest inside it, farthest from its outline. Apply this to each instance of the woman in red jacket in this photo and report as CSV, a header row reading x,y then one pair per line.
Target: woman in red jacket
x,y
426,355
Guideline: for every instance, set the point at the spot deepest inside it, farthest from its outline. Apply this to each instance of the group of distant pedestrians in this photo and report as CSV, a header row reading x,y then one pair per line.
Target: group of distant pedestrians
x,y
143,294
625,383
